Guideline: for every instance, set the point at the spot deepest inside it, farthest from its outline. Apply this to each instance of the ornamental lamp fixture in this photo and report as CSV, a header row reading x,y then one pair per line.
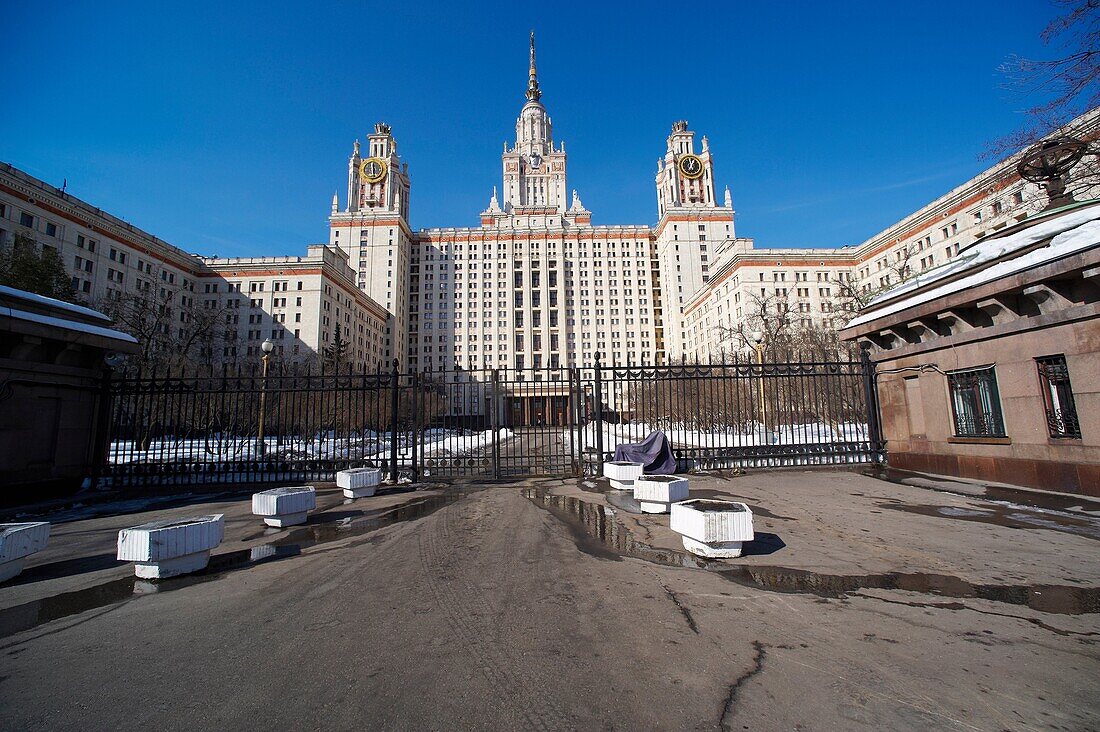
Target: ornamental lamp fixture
x,y
1048,164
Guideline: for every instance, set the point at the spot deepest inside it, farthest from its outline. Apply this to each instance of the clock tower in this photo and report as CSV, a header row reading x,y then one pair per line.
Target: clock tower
x,y
692,227
374,230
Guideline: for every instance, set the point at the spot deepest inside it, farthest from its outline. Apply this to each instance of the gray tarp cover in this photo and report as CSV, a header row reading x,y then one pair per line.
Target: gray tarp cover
x,y
654,452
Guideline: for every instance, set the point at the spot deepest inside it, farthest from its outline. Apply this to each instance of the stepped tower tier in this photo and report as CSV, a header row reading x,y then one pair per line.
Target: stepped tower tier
x,y
534,168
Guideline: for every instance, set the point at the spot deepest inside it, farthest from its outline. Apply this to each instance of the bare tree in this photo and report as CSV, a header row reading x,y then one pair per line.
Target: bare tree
x,y
1061,88
171,330
767,314
849,296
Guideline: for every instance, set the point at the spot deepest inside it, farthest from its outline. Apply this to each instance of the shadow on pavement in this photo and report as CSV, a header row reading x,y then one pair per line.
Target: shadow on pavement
x,y
762,545
65,568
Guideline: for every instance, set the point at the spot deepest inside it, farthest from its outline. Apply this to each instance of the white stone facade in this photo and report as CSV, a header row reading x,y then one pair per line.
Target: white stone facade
x,y
536,286
108,258
297,302
811,281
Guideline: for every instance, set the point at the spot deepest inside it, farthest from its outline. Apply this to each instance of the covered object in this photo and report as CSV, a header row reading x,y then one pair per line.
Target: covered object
x,y
654,452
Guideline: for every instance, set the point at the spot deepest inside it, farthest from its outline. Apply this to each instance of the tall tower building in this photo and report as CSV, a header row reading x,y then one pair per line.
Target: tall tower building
x,y
692,226
534,171
536,287
374,231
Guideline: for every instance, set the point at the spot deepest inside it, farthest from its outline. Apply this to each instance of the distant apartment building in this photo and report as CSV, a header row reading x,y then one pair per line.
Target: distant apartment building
x,y
812,284
298,302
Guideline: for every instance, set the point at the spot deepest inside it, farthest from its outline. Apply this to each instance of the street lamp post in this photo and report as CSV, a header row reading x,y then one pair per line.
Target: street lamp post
x,y
267,347
758,343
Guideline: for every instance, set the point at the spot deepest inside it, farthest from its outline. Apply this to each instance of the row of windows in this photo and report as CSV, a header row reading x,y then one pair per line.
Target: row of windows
x,y
976,404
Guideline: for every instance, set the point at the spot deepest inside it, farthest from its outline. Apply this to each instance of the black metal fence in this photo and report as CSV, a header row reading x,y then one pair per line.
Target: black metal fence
x,y
250,426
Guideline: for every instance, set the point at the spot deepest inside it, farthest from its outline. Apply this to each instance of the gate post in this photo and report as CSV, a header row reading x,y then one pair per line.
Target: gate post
x,y
874,425
598,410
101,438
414,443
494,420
394,384
576,397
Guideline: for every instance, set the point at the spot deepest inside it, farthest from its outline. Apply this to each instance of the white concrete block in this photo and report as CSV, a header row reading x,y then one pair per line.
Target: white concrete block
x,y
11,569
17,542
359,482
621,470
173,567
168,548
711,527
621,485
717,550
286,519
285,506
655,493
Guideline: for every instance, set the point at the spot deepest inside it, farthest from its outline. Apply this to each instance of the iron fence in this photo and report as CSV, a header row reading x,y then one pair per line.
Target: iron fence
x,y
284,425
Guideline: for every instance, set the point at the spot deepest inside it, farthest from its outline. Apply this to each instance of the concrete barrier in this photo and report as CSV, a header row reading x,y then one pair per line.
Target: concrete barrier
x,y
163,549
712,528
286,506
655,493
622,474
17,542
359,482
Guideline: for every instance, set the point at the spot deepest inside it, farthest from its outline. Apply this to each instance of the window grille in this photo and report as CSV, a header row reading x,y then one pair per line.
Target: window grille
x,y
1062,421
975,403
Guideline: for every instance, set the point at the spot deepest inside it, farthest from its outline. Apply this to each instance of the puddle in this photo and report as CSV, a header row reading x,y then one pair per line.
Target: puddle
x,y
290,543
597,532
946,484
1057,599
625,499
1010,515
92,506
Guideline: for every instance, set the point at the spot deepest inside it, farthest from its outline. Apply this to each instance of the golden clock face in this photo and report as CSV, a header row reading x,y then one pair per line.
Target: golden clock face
x,y
691,166
372,170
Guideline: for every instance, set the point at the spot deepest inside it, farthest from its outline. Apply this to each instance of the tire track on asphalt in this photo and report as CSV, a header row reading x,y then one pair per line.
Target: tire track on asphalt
x,y
454,609
472,618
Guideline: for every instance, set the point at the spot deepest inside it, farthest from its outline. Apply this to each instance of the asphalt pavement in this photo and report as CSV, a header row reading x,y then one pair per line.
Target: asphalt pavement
x,y
865,604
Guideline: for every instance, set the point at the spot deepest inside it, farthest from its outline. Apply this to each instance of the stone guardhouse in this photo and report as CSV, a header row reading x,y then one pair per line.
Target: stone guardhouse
x,y
989,366
53,369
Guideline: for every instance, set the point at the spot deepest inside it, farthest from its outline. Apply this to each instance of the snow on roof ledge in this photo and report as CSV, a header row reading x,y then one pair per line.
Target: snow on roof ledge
x,y
1069,233
49,302
71,325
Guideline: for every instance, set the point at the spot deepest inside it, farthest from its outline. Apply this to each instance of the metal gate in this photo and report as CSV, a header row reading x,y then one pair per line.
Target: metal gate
x,y
287,425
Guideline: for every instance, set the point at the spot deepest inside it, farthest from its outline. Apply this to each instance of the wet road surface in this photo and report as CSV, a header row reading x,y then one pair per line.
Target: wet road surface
x,y
502,608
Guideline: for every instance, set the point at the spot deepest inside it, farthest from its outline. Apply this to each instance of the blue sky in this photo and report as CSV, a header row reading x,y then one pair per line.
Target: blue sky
x,y
225,129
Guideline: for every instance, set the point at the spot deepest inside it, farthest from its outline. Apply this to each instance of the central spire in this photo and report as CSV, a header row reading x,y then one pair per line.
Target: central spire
x,y
533,93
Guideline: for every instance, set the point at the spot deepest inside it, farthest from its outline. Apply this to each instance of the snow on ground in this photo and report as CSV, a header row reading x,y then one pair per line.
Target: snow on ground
x,y
453,444
367,446
797,434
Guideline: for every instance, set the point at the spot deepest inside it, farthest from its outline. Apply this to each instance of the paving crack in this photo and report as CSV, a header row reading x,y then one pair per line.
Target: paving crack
x,y
963,606
729,705
683,610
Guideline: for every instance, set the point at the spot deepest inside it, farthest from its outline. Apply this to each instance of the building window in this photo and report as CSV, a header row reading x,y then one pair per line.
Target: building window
x,y
975,403
1062,419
